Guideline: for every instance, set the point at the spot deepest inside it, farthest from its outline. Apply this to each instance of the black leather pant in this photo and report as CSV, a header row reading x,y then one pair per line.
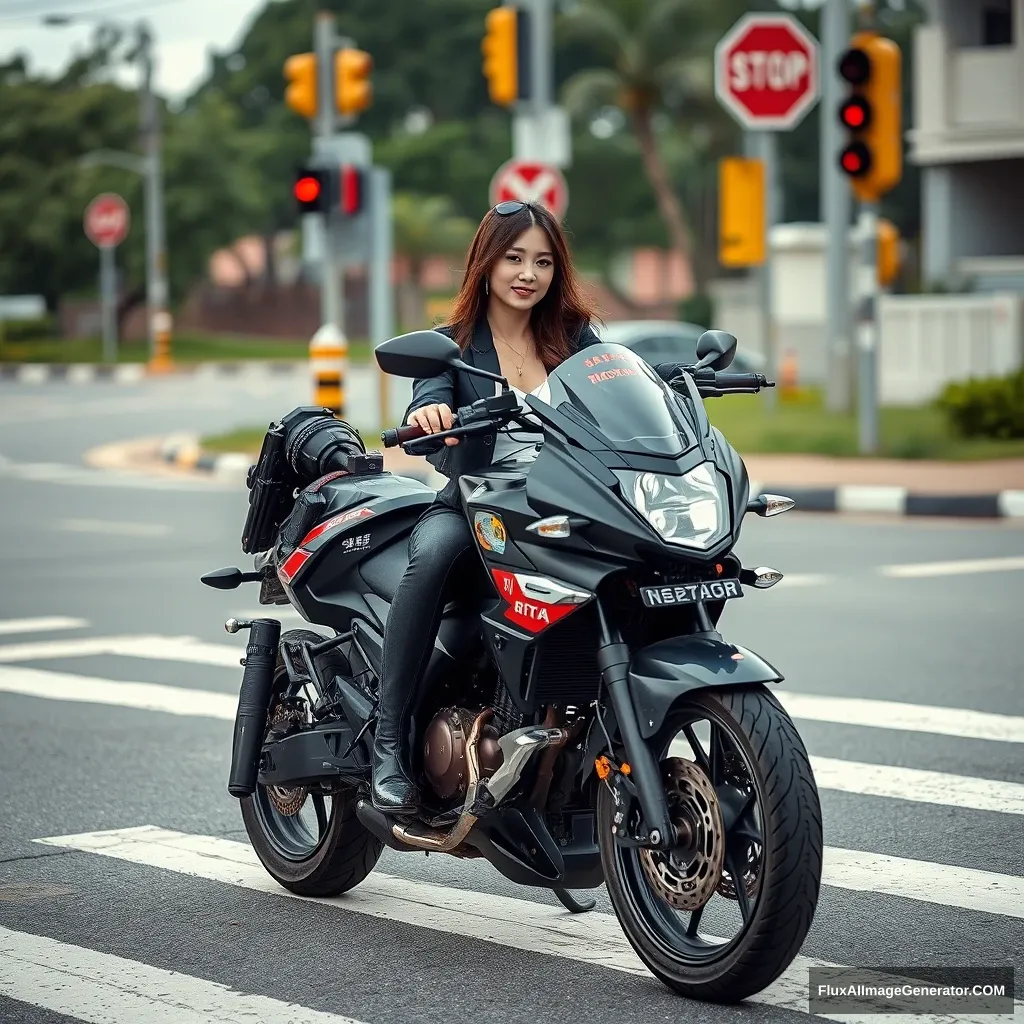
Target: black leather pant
x,y
439,548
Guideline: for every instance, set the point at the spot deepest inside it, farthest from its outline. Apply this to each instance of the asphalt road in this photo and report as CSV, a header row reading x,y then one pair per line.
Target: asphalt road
x,y
921,778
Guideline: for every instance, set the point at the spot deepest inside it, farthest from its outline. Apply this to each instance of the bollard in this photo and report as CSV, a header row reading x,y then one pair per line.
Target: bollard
x,y
328,362
161,361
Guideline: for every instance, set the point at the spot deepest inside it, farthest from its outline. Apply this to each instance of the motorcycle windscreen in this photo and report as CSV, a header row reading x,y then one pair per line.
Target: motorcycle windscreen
x,y
622,396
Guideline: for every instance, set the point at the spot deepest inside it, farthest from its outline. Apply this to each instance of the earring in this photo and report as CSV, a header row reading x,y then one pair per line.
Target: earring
x,y
487,287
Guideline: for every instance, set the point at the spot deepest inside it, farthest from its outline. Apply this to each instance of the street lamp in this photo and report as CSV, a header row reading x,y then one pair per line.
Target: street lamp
x,y
149,165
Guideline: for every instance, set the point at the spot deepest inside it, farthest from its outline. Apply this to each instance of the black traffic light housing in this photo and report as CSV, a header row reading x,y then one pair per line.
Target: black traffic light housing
x,y
329,189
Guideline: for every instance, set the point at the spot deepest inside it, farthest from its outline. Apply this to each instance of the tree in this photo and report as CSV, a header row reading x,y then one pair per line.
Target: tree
x,y
650,71
427,226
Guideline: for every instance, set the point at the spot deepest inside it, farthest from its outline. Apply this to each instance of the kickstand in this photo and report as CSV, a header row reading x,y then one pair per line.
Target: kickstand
x,y
571,904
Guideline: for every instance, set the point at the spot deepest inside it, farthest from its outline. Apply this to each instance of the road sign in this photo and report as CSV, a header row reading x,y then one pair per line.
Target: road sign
x,y
532,181
107,220
766,72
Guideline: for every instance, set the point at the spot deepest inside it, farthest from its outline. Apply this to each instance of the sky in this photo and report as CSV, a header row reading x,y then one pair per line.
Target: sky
x,y
184,31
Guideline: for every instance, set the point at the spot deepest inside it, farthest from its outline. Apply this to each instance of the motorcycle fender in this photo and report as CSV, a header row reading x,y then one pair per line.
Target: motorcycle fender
x,y
662,673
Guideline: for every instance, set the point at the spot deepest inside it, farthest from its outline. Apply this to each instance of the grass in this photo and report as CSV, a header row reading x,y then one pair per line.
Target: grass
x,y
802,425
798,426
185,348
250,439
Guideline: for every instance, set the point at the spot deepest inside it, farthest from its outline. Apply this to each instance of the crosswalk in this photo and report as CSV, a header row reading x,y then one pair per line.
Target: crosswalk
x,y
67,977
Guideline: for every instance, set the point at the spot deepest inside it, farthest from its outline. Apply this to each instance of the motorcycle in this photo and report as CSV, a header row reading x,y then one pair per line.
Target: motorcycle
x,y
582,720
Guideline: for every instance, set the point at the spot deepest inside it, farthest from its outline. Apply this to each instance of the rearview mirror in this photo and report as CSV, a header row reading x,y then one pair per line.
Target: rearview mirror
x,y
419,354
715,349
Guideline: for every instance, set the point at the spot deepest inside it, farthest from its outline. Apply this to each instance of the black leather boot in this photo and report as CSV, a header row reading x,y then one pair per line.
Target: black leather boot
x,y
394,790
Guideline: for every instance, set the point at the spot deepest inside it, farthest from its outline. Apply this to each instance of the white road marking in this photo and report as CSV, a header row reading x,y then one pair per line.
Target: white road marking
x,y
871,499
860,711
594,938
913,784
41,624
154,648
172,700
889,714
115,529
801,579
958,568
106,989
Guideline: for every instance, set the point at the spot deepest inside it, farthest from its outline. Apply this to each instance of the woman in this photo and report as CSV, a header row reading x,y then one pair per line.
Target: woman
x,y
519,313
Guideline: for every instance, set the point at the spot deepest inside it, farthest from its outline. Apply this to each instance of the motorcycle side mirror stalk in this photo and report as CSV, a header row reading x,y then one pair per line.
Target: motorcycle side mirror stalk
x,y
426,354
229,579
715,349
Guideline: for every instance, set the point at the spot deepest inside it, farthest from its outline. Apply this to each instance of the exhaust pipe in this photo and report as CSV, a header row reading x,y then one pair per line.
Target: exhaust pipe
x,y
253,702
483,795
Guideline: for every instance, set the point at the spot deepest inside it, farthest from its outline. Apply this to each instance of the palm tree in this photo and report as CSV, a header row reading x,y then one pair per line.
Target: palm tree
x,y
661,56
427,226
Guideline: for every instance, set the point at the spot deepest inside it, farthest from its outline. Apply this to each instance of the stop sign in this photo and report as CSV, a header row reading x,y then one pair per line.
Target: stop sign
x,y
766,71
107,220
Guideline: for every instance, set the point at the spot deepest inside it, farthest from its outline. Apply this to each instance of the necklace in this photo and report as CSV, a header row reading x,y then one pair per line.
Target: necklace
x,y
522,359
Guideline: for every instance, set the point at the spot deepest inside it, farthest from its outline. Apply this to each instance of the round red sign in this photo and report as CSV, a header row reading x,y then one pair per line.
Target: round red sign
x,y
107,220
766,71
532,182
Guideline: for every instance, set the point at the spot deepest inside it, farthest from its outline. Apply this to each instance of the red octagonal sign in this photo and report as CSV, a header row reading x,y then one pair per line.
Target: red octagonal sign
x,y
766,71
107,220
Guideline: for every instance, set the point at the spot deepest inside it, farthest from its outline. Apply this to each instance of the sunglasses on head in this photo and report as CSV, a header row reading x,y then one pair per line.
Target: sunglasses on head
x,y
510,206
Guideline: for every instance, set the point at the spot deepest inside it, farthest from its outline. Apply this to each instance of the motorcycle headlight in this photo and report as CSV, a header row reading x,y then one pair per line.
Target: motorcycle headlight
x,y
691,510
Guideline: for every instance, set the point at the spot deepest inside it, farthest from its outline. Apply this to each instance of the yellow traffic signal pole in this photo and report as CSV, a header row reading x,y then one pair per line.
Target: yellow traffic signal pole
x,y
874,161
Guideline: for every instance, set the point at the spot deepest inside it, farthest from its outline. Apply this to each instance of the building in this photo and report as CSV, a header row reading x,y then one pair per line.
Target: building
x,y
968,139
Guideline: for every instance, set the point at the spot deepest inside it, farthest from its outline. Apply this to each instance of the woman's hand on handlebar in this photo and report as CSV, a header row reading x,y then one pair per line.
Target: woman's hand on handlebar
x,y
433,418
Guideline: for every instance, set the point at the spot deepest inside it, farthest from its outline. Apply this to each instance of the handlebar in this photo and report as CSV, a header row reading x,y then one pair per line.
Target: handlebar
x,y
400,435
732,381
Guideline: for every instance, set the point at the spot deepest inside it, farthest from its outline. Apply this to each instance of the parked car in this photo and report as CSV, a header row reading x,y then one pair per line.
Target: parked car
x,y
663,341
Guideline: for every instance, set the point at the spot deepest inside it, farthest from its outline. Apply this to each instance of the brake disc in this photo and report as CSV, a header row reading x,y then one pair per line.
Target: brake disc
x,y
686,876
283,720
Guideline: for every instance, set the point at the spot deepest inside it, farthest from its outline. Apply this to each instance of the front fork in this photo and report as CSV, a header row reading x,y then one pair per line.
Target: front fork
x,y
613,660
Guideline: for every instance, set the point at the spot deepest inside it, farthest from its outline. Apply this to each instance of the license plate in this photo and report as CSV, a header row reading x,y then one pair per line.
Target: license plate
x,y
691,593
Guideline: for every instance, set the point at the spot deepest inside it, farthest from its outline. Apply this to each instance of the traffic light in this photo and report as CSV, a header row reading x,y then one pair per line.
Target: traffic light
x,y
872,115
329,190
300,94
353,92
506,55
313,189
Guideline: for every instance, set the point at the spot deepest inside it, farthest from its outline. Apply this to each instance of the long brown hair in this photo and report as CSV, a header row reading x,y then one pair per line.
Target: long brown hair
x,y
557,319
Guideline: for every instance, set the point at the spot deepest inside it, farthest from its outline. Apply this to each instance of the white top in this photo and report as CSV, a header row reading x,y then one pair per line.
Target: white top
x,y
513,443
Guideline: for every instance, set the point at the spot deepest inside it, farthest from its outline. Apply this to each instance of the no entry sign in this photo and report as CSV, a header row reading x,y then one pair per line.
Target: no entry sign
x,y
107,220
532,182
766,71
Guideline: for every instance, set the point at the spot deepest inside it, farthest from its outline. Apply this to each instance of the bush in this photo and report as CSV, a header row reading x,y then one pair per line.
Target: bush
x,y
28,330
988,407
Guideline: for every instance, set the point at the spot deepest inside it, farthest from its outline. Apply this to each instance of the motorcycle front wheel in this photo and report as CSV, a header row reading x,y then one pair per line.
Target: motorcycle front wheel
x,y
745,805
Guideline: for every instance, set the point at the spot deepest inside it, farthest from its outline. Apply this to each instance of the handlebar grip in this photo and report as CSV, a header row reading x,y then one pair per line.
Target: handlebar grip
x,y
739,380
399,435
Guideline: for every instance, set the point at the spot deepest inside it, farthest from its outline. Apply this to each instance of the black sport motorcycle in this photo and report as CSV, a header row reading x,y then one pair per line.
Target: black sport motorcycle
x,y
581,719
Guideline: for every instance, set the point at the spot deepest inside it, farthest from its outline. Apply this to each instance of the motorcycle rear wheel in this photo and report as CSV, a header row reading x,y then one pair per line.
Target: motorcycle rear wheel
x,y
779,894
327,862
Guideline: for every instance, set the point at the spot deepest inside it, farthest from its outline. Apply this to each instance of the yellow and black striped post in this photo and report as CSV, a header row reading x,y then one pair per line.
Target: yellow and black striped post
x,y
328,362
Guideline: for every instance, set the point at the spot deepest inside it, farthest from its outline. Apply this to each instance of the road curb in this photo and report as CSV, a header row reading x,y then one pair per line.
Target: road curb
x,y
899,501
132,373
184,452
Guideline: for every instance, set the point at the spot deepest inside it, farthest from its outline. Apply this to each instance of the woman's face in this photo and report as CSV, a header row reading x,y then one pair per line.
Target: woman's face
x,y
523,275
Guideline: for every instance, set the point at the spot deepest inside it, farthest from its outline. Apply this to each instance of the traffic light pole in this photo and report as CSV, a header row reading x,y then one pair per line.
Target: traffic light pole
x,y
332,310
835,211
867,329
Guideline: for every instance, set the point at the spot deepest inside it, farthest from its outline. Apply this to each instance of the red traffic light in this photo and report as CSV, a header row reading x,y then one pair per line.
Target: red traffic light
x,y
307,190
855,160
855,114
855,66
351,198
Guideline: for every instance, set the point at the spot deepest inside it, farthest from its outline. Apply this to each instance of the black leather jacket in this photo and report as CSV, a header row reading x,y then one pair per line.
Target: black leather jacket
x,y
456,389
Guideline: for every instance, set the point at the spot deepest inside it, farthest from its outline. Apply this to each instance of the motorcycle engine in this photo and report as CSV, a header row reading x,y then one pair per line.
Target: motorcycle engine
x,y
444,751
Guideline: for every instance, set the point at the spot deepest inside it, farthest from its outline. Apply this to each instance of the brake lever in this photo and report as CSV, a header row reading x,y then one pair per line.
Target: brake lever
x,y
470,430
